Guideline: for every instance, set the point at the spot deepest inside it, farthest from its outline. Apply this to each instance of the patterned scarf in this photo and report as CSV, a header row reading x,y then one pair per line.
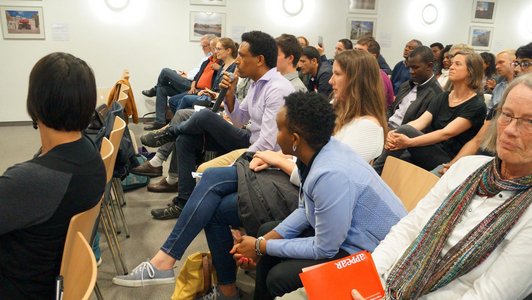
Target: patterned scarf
x,y
422,269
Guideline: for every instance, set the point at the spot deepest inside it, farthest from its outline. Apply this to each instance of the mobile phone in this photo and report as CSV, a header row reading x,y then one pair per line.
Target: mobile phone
x,y
320,41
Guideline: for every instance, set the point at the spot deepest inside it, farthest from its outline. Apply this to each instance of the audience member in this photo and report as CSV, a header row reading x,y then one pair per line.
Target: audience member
x,y
523,55
416,94
257,58
436,51
466,238
226,52
319,72
523,60
341,45
450,121
67,176
171,82
288,53
204,79
303,42
505,70
400,72
489,80
331,222
445,64
370,45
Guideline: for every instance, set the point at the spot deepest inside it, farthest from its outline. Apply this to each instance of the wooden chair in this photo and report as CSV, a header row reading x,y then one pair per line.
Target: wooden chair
x,y
409,182
108,209
78,268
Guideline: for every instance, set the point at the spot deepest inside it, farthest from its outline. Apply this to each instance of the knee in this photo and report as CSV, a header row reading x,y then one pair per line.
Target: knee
x,y
204,115
278,281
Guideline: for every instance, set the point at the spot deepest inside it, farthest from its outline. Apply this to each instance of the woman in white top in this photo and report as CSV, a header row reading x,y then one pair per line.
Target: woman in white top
x,y
443,77
358,102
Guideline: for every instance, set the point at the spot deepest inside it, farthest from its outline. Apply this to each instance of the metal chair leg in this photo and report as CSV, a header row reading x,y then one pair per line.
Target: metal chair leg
x,y
98,292
114,239
117,187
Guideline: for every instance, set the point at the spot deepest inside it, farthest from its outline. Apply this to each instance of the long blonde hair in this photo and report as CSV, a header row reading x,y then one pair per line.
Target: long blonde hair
x,y
364,93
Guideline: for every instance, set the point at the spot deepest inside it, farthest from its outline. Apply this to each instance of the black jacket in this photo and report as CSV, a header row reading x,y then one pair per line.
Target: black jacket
x,y
263,196
425,93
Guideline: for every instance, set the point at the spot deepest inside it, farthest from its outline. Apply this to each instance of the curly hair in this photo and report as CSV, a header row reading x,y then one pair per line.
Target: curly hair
x,y
61,92
489,60
261,43
311,116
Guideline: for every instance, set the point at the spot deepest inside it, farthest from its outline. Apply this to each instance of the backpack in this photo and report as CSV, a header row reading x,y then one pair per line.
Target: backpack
x,y
133,181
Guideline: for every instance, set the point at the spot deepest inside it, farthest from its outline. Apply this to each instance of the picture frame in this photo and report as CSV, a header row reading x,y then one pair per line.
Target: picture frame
x,y
202,22
363,6
22,22
483,11
481,37
358,27
208,2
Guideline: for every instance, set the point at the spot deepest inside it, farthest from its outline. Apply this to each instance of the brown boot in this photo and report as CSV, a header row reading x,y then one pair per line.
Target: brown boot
x,y
162,187
148,170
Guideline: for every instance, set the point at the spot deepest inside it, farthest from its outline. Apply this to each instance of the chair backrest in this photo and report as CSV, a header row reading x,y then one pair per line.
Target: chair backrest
x,y
106,152
116,135
409,182
80,270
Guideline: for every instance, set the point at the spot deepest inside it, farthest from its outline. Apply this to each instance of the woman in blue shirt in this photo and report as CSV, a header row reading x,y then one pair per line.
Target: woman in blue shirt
x,y
344,206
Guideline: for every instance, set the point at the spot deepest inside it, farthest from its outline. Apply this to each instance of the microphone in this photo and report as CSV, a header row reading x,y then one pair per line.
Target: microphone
x,y
222,94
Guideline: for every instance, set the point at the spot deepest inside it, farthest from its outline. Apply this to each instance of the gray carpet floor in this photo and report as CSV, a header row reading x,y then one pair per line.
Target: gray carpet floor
x,y
20,143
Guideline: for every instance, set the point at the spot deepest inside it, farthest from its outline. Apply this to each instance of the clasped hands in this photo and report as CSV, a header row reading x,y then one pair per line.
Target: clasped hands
x,y
244,252
397,141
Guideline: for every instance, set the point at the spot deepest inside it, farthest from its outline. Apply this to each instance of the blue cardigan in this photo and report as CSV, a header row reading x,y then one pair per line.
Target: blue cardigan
x,y
345,201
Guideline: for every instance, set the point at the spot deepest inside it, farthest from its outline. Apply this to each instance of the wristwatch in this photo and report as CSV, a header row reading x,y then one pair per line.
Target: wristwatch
x,y
257,245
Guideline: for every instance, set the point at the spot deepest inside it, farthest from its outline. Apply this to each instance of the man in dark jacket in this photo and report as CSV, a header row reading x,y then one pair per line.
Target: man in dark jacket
x,y
415,95
320,72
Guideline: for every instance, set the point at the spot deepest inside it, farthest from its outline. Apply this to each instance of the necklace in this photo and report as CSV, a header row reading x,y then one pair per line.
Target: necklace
x,y
455,100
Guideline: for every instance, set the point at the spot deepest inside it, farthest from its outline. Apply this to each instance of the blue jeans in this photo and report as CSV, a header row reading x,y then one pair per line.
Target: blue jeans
x,y
213,207
204,130
175,101
190,100
169,83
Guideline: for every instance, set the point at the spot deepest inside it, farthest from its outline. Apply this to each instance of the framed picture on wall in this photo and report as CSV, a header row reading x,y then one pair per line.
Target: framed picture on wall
x,y
483,11
22,22
358,27
202,23
480,37
208,2
363,6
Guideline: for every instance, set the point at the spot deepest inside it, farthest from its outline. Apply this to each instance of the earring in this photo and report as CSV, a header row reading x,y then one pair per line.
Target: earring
x,y
35,125
294,147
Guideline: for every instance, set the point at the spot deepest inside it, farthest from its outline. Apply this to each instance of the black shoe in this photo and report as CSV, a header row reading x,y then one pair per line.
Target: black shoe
x,y
154,126
149,93
158,137
173,211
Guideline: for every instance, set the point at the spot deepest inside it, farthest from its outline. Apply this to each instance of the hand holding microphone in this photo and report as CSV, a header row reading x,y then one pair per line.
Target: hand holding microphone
x,y
227,85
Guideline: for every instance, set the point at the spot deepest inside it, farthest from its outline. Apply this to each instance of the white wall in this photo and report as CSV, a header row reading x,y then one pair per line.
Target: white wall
x,y
152,34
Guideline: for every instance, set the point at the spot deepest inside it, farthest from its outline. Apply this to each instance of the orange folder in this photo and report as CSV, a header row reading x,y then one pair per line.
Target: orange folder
x,y
336,279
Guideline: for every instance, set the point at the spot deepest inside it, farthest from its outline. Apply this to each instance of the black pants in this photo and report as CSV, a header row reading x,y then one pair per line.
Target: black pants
x,y
426,157
204,130
277,276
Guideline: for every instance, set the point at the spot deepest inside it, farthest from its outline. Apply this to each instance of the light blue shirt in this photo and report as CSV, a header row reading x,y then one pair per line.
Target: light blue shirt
x,y
496,96
345,201
264,99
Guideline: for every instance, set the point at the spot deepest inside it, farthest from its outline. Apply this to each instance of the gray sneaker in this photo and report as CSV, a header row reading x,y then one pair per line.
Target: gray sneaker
x,y
215,294
145,274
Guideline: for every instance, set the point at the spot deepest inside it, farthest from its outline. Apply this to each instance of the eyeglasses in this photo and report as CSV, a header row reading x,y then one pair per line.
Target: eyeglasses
x,y
219,49
523,123
523,64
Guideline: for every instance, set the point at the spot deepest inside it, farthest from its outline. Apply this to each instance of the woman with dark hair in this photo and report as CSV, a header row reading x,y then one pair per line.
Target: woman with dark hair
x,y
451,120
66,177
445,64
344,207
488,81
